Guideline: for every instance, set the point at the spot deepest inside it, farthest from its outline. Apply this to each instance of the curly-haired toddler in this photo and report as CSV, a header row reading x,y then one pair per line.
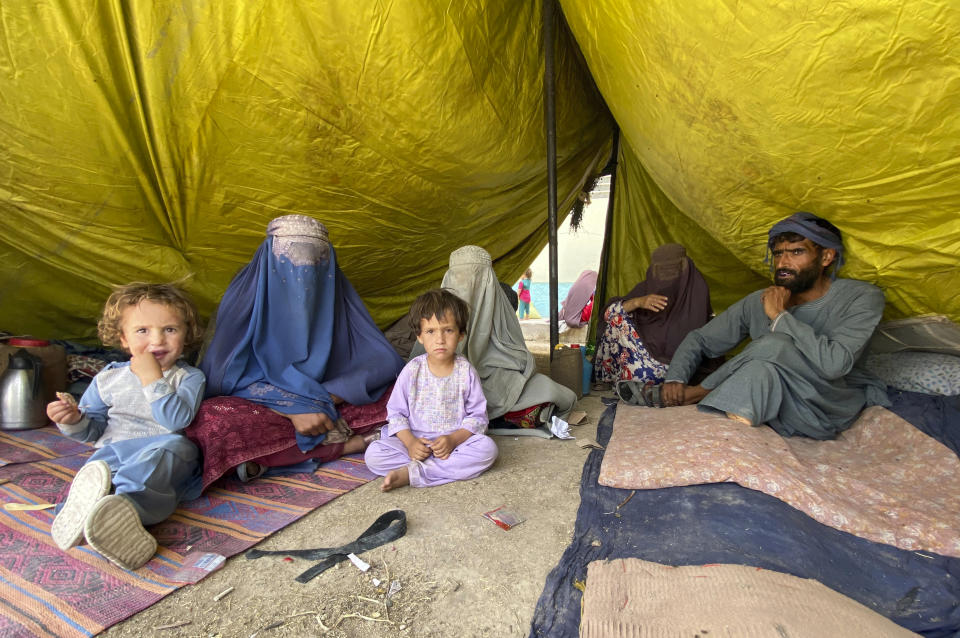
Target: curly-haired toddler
x,y
135,413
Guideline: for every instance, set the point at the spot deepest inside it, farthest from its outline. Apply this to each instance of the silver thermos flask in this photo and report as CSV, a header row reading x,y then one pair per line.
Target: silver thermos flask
x,y
22,405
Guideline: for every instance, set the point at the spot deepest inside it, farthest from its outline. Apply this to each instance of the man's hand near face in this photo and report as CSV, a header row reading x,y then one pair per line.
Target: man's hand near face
x,y
775,300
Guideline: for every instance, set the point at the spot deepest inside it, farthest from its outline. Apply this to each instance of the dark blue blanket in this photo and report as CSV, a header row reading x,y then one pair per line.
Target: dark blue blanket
x,y
727,523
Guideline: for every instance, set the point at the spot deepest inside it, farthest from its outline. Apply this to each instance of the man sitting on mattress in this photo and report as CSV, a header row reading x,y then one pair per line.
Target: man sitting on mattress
x,y
807,332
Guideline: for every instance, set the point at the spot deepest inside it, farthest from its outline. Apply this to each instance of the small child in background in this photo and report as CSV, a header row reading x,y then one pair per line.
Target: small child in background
x,y
437,412
523,295
135,412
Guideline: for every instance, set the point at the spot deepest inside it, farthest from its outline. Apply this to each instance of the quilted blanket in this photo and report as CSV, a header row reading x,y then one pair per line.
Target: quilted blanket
x,y
882,479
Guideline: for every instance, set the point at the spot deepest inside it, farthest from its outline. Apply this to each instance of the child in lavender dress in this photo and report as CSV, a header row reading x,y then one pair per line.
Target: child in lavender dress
x,y
437,413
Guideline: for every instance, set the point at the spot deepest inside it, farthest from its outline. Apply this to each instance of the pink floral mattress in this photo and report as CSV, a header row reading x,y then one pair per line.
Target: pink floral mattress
x,y
882,479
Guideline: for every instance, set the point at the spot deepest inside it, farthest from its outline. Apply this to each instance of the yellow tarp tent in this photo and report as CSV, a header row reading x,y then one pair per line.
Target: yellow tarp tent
x,y
155,140
736,114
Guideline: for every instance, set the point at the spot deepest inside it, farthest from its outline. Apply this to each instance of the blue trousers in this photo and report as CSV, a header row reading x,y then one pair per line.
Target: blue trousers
x,y
156,473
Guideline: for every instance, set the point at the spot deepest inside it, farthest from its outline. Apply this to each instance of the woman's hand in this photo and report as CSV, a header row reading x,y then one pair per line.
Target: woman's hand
x,y
311,423
653,303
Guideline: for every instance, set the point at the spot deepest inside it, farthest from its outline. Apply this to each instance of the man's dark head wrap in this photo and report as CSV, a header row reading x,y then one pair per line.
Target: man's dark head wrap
x,y
805,224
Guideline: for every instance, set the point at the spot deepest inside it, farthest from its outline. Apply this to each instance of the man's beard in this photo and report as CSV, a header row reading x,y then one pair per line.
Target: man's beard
x,y
801,281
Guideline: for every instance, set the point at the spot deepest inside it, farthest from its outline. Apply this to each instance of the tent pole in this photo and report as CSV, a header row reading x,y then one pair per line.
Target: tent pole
x,y
549,107
600,297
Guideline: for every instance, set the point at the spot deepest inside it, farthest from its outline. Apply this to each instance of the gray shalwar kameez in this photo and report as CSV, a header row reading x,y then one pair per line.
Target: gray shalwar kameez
x,y
798,374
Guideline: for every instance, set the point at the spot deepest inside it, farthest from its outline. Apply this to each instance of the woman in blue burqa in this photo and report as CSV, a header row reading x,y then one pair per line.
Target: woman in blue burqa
x,y
294,359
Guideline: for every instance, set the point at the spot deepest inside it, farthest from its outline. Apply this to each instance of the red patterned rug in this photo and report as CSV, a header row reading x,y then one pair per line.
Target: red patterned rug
x,y
26,446
48,592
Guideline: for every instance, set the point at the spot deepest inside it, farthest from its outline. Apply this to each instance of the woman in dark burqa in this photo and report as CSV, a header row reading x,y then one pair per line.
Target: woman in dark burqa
x,y
294,358
641,330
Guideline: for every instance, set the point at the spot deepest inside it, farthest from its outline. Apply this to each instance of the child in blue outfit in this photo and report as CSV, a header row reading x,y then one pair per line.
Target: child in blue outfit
x,y
135,413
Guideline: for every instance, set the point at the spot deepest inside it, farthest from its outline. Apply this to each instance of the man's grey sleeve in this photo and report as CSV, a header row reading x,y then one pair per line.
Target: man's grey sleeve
x,y
834,352
715,339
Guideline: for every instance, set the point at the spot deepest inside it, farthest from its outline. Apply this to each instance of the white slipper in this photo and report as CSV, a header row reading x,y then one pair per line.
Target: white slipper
x,y
90,484
114,530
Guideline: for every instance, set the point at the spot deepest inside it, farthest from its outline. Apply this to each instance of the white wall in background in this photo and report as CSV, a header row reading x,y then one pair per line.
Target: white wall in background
x,y
580,250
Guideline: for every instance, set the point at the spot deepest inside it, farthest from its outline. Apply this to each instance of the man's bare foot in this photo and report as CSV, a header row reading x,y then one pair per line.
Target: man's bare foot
x,y
737,417
693,393
396,478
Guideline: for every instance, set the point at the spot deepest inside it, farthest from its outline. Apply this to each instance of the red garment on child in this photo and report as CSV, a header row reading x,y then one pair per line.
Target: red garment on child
x,y
524,291
587,310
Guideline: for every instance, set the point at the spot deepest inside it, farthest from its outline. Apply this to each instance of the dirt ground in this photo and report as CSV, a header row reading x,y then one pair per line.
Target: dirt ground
x,y
458,573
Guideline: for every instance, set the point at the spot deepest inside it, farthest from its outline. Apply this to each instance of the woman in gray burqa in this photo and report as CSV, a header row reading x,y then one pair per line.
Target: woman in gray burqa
x,y
495,346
